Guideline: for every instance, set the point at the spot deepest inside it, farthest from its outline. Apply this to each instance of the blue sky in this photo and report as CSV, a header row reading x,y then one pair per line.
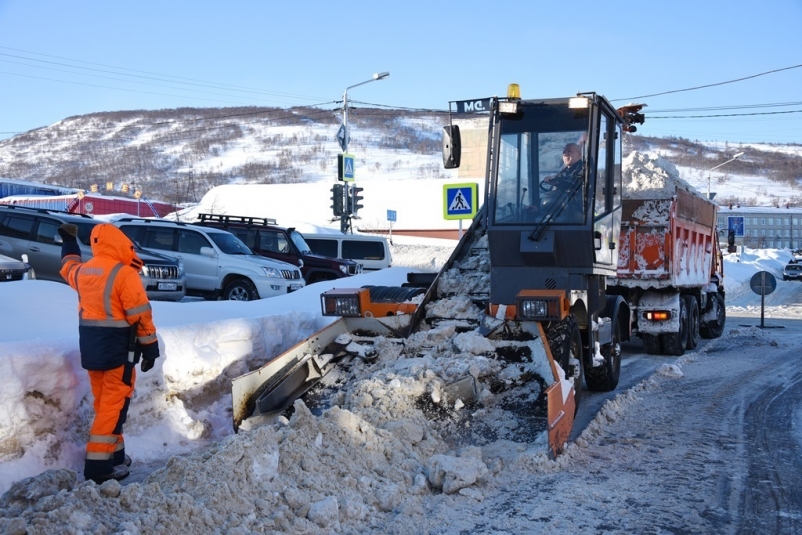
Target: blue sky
x,y
59,59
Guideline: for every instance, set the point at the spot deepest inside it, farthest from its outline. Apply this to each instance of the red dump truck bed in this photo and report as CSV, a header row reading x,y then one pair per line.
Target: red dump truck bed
x,y
667,242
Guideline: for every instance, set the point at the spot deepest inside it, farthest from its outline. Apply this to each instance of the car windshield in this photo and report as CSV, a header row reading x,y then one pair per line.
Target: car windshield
x,y
300,243
229,244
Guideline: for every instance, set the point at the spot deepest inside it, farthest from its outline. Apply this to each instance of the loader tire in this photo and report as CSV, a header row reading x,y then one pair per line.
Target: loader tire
x,y
604,377
715,328
693,321
674,343
565,343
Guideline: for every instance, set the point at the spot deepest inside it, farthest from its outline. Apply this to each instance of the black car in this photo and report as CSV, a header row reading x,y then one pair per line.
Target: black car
x,y
268,239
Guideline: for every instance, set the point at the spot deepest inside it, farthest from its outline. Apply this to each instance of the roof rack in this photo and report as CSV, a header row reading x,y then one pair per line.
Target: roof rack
x,y
44,210
149,221
220,218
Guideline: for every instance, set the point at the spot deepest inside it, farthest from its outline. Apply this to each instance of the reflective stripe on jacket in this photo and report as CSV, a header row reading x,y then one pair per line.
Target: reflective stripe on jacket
x,y
111,298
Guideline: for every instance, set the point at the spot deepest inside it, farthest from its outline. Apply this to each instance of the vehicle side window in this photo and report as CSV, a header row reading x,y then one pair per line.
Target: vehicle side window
x,y
191,242
248,237
272,241
17,227
157,238
47,231
363,250
322,247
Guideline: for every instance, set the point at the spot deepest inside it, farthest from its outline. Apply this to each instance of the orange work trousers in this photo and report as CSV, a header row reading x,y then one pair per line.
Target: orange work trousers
x,y
112,390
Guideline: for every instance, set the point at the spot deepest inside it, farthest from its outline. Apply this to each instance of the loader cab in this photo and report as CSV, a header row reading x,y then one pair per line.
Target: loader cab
x,y
553,193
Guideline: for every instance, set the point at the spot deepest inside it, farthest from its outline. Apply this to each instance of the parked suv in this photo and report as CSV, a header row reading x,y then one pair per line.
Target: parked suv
x,y
217,263
792,272
34,232
265,238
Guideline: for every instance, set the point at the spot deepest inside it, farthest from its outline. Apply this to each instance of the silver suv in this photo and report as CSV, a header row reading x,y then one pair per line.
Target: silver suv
x,y
217,263
34,232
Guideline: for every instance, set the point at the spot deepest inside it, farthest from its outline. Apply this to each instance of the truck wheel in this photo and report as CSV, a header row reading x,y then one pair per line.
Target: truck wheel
x,y
693,321
565,342
651,344
240,290
715,328
604,378
674,343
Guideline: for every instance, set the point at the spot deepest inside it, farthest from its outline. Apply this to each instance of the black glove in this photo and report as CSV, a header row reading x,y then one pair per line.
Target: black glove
x,y
150,352
69,240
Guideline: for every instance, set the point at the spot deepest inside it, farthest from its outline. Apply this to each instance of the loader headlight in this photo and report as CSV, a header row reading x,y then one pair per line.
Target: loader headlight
x,y
333,304
539,309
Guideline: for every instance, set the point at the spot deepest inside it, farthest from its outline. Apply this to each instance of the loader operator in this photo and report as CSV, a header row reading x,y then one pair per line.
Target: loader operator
x,y
115,326
564,187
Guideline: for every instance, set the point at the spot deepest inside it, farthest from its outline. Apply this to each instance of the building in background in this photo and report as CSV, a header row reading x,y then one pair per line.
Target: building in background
x,y
762,227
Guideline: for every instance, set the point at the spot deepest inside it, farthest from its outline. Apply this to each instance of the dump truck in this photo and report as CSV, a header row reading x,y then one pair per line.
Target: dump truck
x,y
670,269
530,276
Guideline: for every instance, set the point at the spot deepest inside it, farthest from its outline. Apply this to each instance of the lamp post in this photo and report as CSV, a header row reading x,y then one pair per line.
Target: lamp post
x,y
376,76
734,157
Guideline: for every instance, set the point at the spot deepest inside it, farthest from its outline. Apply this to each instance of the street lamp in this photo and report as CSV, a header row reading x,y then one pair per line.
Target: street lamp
x,y
734,157
376,76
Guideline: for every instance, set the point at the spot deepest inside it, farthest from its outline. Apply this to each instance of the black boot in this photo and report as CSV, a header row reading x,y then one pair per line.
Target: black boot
x,y
119,473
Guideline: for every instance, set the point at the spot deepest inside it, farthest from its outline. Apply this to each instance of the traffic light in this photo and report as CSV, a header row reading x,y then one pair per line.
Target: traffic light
x,y
355,200
337,199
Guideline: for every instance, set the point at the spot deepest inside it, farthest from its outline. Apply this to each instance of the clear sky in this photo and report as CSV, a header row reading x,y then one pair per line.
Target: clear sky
x,y
59,59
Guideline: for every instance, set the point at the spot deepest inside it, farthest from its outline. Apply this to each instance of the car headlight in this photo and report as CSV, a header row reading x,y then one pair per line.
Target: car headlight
x,y
271,272
344,269
180,268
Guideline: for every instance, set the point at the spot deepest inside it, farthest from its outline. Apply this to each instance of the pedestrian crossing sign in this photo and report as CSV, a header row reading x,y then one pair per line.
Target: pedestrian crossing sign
x,y
345,167
460,200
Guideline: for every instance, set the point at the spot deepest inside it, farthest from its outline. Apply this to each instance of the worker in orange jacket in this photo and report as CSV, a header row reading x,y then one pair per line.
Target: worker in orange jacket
x,y
115,327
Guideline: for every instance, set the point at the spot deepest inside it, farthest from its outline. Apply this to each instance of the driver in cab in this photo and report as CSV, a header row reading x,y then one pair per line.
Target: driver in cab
x,y
571,173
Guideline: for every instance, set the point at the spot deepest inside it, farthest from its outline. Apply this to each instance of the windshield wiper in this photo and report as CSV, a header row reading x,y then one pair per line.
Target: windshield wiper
x,y
556,209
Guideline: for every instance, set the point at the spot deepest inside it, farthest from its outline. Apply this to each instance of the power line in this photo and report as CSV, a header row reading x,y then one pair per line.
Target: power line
x,y
151,75
723,115
710,85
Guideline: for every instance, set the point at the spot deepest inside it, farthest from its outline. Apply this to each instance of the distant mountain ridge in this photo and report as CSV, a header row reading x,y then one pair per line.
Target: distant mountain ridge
x,y
179,154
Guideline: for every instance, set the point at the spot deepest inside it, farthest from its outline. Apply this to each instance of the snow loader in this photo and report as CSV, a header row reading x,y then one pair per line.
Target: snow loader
x,y
534,262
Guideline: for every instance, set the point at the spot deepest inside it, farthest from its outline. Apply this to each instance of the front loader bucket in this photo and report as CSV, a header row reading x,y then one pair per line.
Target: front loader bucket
x,y
560,400
273,387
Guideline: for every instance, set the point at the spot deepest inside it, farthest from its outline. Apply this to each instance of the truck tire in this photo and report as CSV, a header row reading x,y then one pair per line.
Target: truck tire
x,y
240,290
605,377
693,321
674,343
715,328
565,343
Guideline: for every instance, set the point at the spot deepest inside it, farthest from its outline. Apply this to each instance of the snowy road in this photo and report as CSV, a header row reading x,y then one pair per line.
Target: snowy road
x,y
710,444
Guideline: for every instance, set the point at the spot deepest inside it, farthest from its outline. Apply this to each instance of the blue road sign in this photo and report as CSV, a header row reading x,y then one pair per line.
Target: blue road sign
x,y
345,163
460,201
391,215
736,223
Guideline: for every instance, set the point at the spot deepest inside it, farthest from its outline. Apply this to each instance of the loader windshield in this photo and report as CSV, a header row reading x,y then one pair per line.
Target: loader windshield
x,y
540,173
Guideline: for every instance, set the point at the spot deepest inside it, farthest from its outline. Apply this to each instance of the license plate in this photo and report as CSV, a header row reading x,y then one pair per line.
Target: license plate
x,y
294,287
168,286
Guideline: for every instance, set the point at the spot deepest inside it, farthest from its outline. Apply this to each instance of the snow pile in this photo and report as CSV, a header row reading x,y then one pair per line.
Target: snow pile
x,y
651,177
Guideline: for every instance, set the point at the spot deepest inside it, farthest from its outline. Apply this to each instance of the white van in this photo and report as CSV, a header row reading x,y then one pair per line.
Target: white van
x,y
372,252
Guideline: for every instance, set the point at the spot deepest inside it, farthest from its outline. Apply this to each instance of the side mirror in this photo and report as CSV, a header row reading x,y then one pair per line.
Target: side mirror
x,y
452,147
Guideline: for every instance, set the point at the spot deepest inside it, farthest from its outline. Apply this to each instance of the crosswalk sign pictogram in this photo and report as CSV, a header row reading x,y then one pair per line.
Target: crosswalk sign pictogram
x,y
460,200
345,167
